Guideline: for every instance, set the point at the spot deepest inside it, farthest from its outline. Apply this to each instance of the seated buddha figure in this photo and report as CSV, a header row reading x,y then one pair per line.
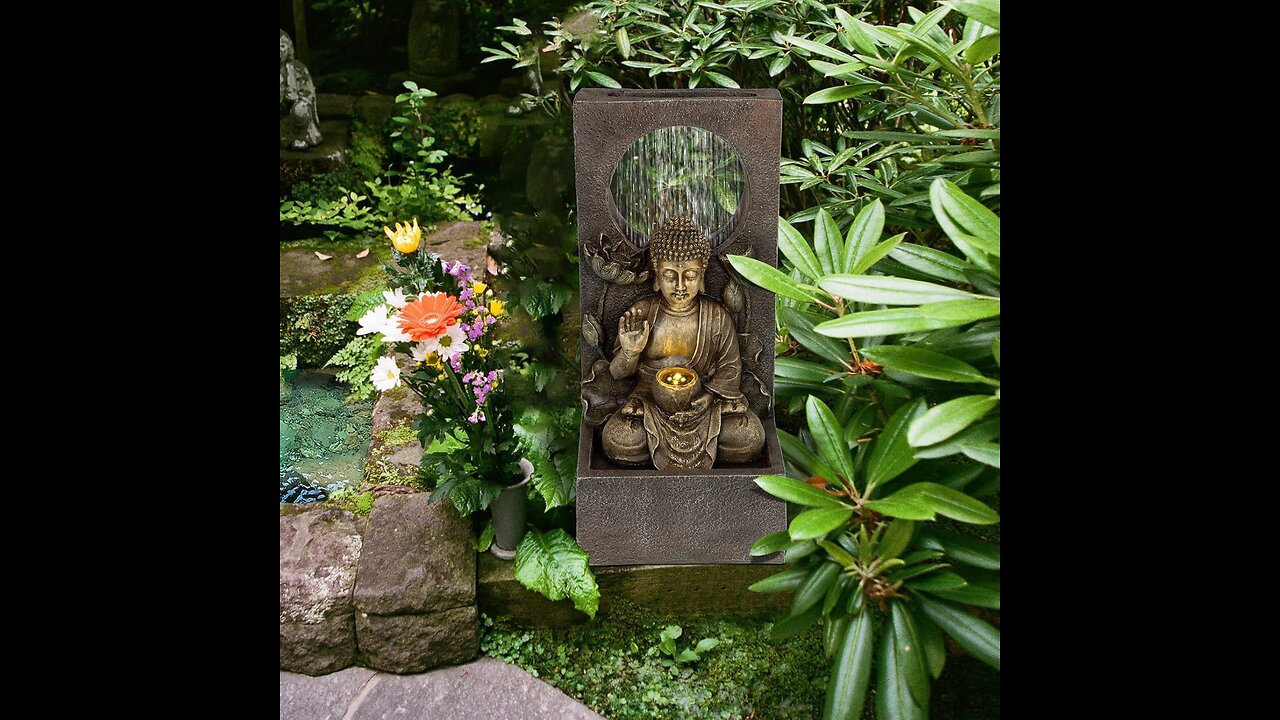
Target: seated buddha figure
x,y
687,409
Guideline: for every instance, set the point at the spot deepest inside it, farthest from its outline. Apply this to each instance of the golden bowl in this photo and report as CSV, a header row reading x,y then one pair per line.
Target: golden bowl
x,y
675,388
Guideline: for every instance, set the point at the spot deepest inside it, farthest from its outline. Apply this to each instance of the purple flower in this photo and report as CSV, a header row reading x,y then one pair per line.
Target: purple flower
x,y
455,361
466,294
458,270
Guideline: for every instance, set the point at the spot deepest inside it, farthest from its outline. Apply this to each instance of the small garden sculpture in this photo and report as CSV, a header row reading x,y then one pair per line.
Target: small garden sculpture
x,y
299,123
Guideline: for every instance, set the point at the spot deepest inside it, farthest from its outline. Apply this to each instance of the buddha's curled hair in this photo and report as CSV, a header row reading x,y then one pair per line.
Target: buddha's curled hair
x,y
679,239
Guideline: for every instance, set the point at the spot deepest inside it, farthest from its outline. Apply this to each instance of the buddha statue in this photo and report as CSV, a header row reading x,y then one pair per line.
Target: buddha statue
x,y
687,409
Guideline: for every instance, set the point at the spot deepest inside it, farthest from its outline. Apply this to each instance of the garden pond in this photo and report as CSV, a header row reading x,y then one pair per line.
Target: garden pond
x,y
323,440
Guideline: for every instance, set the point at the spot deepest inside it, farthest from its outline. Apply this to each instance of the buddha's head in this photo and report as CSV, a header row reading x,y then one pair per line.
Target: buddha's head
x,y
679,252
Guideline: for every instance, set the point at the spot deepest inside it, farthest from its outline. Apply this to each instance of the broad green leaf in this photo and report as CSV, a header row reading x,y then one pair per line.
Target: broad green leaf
x,y
971,595
987,453
963,217
896,538
829,437
927,48
943,421
814,587
624,42
818,522
925,363
802,370
837,553
792,624
850,671
785,581
875,323
959,312
771,543
986,12
603,79
793,490
910,571
973,157
961,548
486,537
863,234
982,49
801,326
797,453
960,477
886,290
951,503
770,278
982,432
779,64
795,249
906,508
854,34
910,654
995,350
799,550
934,263
891,455
706,644
843,92
721,80
893,694
553,564
938,581
826,242
876,253
971,633
820,49
833,631
935,648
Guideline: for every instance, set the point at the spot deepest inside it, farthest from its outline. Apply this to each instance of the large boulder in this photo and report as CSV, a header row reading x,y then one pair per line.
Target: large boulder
x,y
414,643
319,552
418,557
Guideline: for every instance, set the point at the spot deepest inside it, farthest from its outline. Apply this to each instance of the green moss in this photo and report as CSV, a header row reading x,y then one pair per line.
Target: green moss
x,y
314,327
359,503
400,436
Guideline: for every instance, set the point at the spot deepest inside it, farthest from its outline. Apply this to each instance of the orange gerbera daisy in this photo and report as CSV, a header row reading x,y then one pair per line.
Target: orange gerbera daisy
x,y
429,316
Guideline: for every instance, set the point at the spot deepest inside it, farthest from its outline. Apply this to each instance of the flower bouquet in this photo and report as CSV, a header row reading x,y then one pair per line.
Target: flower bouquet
x,y
443,319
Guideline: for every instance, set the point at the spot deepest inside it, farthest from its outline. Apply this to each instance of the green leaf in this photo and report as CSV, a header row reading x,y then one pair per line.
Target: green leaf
x,y
971,633
818,522
925,363
602,79
995,350
910,654
554,565
891,455
863,234
814,587
886,290
801,370
801,326
938,581
893,693
827,243
832,631
721,80
934,263
799,550
785,581
706,644
959,312
853,32
486,537
793,490
795,249
982,49
779,64
974,435
943,421
961,548
987,453
951,503
792,624
935,648
876,323
986,12
770,278
797,453
896,538
829,437
850,671
963,217
971,595
771,543
843,92
838,553
876,253
819,49
906,507
624,42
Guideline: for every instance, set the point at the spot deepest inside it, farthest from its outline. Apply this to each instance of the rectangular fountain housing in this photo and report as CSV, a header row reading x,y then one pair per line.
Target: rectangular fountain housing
x,y
633,516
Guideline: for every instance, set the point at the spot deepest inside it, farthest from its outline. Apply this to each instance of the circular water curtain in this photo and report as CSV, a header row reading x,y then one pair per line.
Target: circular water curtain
x,y
676,171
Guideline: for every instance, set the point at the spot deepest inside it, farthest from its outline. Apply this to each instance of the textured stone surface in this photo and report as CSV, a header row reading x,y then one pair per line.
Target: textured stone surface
x,y
418,557
321,698
679,590
331,105
319,550
482,690
550,174
413,643
331,154
375,109
434,37
318,648
302,273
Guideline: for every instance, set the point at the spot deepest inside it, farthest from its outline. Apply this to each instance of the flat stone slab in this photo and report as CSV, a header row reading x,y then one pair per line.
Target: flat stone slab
x,y
302,273
331,105
319,648
414,643
418,557
321,698
482,690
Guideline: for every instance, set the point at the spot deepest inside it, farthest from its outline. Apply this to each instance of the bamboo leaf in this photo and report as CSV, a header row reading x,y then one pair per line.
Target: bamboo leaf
x,y
818,522
987,453
982,49
843,92
906,508
875,323
793,490
850,671
887,290
971,595
770,278
943,421
971,633
795,249
863,234
959,312
801,370
986,12
819,49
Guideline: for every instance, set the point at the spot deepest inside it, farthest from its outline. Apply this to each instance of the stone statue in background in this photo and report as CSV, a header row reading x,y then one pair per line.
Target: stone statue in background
x,y
299,123
687,407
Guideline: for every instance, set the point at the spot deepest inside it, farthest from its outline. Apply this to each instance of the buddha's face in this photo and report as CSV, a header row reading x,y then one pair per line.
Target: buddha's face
x,y
680,281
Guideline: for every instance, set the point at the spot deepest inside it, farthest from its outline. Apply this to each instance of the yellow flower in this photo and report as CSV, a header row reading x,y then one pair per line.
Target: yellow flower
x,y
479,288
406,237
481,352
497,308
